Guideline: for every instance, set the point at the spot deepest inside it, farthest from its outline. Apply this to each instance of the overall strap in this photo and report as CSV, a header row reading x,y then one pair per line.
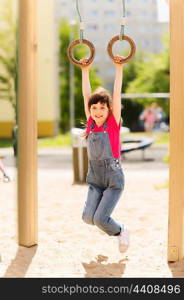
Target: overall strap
x,y
105,125
93,125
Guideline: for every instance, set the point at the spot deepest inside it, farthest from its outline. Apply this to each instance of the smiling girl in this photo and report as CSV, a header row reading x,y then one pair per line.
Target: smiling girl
x,y
105,175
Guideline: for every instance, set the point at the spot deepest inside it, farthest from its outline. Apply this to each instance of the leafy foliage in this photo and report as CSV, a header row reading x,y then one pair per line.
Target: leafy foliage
x,y
152,76
8,75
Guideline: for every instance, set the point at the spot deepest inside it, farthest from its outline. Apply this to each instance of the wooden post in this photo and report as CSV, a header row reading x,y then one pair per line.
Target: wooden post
x,y
176,189
27,125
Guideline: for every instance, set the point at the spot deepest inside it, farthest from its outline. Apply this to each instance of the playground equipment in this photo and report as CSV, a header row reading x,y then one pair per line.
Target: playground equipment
x,y
27,124
119,37
136,144
80,157
176,159
80,41
122,37
27,190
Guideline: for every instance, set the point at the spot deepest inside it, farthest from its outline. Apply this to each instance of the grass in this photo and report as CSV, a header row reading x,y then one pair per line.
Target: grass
x,y
162,137
65,139
5,143
159,137
166,159
162,187
59,140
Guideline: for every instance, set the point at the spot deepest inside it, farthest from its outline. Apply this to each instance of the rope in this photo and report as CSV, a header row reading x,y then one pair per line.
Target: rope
x,y
81,23
122,31
77,6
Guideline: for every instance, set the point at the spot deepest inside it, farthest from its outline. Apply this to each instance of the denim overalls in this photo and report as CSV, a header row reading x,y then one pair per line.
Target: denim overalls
x,y
106,182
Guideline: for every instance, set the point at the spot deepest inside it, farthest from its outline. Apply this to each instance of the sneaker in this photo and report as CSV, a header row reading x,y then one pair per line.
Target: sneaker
x,y
123,239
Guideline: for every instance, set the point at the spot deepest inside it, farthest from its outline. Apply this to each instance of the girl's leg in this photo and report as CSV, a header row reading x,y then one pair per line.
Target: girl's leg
x,y
93,199
102,217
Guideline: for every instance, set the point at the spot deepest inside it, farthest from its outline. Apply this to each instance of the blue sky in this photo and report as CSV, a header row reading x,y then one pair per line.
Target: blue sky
x,y
163,11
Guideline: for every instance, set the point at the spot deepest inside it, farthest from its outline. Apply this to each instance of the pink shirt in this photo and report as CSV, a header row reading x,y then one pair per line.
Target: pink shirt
x,y
150,117
113,131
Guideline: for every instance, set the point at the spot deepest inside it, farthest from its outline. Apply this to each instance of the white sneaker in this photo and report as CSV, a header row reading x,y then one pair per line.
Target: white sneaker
x,y
123,239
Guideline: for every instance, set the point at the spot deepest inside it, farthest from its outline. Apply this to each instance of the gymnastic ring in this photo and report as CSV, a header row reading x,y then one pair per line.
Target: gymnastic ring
x,y
75,61
132,45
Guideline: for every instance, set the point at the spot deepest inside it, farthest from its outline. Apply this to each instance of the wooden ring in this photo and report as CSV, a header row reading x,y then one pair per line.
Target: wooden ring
x,y
75,61
132,45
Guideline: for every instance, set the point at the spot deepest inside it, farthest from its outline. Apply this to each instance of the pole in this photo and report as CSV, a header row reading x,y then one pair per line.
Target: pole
x,y
27,125
176,159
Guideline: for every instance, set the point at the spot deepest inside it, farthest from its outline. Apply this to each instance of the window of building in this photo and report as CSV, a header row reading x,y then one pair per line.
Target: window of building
x,y
93,13
92,27
109,27
128,13
109,12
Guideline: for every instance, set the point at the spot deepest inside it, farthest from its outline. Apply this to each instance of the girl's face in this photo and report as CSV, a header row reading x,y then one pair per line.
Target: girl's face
x,y
99,112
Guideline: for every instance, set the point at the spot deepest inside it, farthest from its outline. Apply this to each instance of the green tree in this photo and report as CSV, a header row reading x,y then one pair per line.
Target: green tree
x,y
8,74
131,69
152,76
131,109
80,52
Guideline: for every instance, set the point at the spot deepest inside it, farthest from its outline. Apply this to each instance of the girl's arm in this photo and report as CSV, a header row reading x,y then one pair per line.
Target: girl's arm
x,y
116,99
86,87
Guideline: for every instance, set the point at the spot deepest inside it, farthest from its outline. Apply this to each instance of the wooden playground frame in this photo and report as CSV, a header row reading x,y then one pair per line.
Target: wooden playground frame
x,y
27,145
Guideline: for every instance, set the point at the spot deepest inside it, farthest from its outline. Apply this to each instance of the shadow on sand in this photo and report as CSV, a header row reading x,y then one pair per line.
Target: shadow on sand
x,y
21,262
101,269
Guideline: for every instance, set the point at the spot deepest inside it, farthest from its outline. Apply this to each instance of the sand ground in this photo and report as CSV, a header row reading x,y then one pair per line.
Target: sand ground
x,y
69,248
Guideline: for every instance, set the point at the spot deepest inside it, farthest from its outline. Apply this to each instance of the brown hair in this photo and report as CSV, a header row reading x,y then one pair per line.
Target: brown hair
x,y
100,95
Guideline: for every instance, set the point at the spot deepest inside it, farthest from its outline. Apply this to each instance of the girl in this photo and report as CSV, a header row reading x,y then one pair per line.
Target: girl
x,y
105,176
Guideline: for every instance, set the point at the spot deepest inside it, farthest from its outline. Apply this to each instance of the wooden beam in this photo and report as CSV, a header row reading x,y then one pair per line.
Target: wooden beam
x,y
27,125
176,185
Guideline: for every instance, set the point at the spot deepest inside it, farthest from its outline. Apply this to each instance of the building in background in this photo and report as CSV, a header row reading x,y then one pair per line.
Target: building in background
x,y
48,73
102,21
48,69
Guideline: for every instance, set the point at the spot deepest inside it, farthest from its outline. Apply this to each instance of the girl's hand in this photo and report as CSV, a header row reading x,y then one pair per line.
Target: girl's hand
x,y
118,61
84,61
